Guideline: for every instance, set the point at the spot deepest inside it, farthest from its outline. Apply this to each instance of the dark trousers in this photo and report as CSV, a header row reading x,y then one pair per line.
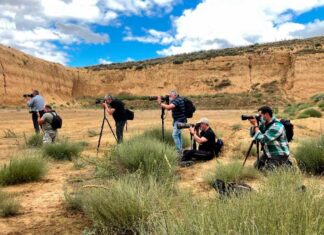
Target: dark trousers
x,y
266,163
197,154
34,118
120,130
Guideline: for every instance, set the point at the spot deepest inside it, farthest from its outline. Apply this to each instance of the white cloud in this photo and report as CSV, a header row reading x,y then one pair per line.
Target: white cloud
x,y
104,61
217,24
152,36
36,26
313,29
129,59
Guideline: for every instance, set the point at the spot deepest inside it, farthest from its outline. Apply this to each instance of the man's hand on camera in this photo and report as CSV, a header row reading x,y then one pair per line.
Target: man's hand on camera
x,y
253,122
104,105
192,130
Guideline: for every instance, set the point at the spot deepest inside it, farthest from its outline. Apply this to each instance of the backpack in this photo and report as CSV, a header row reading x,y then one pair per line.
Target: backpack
x,y
230,188
129,114
218,146
289,127
189,107
57,121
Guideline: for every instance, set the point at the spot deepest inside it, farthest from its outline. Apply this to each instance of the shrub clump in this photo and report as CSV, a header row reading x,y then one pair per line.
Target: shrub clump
x,y
8,206
310,155
233,172
23,169
310,113
156,133
146,155
62,150
34,141
128,205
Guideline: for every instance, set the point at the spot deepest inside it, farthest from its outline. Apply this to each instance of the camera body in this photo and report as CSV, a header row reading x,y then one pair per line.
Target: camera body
x,y
187,125
28,95
99,101
249,117
164,99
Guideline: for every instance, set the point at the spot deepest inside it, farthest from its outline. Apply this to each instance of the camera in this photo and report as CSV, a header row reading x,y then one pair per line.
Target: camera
x,y
164,99
249,117
187,125
28,95
100,101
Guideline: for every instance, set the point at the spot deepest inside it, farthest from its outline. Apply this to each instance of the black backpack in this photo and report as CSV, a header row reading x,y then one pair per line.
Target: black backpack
x,y
189,107
129,114
218,146
57,121
289,127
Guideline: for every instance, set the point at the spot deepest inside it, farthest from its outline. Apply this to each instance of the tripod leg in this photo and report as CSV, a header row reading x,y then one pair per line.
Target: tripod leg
x,y
162,119
101,130
248,152
112,131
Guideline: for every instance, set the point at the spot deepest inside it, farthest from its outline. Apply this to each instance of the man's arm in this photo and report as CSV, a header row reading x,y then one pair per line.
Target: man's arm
x,y
196,137
30,102
271,134
41,120
109,110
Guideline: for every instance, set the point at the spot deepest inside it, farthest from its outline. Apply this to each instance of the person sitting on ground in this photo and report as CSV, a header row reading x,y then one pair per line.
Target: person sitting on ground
x,y
46,122
205,137
272,135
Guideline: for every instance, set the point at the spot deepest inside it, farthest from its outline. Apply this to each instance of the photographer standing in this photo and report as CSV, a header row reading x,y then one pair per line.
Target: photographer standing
x,y
36,104
177,106
116,108
206,140
272,135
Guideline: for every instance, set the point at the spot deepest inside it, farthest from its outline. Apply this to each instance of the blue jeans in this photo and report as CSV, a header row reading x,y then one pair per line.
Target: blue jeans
x,y
176,134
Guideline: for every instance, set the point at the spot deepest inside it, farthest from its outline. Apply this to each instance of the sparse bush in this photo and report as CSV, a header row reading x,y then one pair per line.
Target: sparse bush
x,y
278,207
9,134
310,155
8,206
93,133
147,155
318,97
23,169
233,172
321,105
127,205
62,150
34,141
310,113
236,127
73,201
156,134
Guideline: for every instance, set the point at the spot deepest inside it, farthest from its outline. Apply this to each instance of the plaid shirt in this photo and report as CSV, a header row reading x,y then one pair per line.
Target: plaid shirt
x,y
273,139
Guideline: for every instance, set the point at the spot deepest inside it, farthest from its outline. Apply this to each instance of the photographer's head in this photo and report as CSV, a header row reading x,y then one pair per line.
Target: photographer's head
x,y
47,108
173,95
108,98
203,124
266,113
35,92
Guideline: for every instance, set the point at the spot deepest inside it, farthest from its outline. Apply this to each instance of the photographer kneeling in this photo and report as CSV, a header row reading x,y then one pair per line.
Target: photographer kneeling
x,y
206,140
272,135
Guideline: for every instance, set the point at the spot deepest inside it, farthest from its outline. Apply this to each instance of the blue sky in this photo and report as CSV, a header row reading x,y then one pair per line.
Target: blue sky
x,y
89,32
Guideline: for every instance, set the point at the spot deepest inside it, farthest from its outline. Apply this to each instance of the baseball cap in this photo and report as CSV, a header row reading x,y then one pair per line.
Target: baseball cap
x,y
203,120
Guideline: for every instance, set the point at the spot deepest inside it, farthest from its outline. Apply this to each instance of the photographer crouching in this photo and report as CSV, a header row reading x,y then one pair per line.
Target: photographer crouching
x,y
116,108
36,104
205,137
270,132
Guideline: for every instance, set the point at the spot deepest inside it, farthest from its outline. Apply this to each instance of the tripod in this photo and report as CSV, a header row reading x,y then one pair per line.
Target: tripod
x,y
249,151
102,127
162,120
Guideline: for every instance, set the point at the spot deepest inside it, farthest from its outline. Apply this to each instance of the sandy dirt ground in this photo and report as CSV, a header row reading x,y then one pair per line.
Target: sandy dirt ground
x,y
42,203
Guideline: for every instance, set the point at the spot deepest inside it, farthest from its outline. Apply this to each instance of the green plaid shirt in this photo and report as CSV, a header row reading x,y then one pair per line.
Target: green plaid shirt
x,y
274,139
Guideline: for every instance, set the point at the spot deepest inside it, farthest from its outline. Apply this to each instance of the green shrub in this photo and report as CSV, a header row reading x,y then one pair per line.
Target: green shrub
x,y
321,105
318,97
233,172
310,113
9,134
278,207
23,169
156,133
236,127
93,133
126,206
310,155
34,141
8,206
62,150
147,155
73,201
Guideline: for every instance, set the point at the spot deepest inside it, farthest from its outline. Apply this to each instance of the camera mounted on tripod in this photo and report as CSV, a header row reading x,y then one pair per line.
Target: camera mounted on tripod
x,y
100,101
249,117
187,125
28,95
165,99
